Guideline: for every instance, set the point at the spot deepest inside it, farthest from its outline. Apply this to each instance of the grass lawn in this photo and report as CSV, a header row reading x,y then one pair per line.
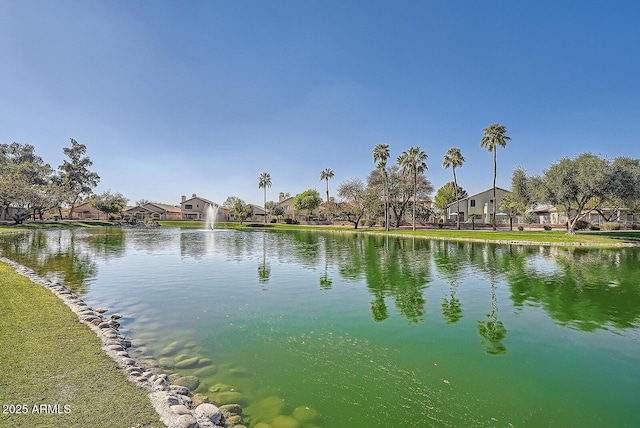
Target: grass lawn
x,y
583,238
47,357
500,236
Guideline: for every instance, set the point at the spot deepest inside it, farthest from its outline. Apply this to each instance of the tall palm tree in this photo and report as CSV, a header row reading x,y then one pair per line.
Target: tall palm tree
x,y
380,156
326,175
413,162
264,181
454,159
494,135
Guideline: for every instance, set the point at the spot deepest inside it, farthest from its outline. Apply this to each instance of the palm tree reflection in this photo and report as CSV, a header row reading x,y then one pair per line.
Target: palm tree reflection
x,y
492,331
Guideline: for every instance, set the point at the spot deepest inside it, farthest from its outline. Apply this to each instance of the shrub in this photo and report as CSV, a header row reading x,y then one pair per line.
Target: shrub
x,y
273,220
611,225
288,220
594,227
635,226
440,225
581,225
520,228
547,227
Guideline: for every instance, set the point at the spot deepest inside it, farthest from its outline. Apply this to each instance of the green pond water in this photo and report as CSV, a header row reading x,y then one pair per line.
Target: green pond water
x,y
309,329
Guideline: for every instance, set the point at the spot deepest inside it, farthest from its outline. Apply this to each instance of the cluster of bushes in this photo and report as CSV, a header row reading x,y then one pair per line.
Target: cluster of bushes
x,y
582,225
291,221
611,225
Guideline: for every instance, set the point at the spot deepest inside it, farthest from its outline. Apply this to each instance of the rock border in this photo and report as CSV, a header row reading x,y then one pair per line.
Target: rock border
x,y
173,403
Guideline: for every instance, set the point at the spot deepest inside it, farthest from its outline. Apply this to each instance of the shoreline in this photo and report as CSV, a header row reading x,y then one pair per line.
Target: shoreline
x,y
172,403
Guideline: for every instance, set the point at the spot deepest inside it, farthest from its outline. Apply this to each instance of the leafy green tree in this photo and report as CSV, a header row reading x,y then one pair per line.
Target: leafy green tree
x,y
264,181
577,185
354,195
413,163
399,189
624,193
380,157
109,203
308,200
522,190
241,210
278,211
446,195
326,175
270,206
494,135
25,180
75,178
454,159
522,196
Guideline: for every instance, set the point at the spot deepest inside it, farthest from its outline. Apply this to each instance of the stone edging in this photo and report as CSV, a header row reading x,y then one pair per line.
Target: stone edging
x,y
172,402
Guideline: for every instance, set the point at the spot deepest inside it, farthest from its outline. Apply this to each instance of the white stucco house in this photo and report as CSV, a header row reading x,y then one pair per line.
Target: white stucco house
x,y
478,204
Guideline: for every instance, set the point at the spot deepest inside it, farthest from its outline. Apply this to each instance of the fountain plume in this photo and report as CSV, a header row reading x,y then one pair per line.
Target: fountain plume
x,y
211,216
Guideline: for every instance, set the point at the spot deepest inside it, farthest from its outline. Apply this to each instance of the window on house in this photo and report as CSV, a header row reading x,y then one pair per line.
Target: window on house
x,y
188,207
473,202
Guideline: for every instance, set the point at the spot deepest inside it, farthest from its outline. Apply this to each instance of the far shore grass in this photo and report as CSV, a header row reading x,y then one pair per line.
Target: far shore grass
x,y
539,237
54,372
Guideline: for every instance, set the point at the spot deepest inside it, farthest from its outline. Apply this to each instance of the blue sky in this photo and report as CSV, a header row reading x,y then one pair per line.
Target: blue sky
x,y
179,97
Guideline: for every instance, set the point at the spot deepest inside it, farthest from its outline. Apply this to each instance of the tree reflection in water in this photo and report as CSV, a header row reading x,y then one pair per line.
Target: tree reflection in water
x,y
449,259
587,289
492,331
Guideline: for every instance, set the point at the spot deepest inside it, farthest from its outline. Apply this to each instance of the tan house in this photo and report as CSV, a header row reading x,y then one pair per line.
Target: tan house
x,y
153,211
196,207
480,205
85,211
287,205
289,211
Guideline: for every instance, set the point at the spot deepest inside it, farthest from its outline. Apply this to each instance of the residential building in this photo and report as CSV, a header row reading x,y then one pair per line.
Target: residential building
x,y
154,211
85,211
480,205
195,208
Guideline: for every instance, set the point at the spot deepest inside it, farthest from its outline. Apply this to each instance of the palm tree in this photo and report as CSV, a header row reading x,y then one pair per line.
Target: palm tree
x,y
494,135
413,161
326,175
380,156
264,181
453,158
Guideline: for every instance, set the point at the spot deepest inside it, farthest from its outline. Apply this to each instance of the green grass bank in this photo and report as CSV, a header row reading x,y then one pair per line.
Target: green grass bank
x,y
542,237
53,370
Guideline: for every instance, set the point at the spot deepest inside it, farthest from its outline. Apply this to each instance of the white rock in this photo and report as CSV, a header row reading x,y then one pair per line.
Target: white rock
x,y
180,409
209,411
185,421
